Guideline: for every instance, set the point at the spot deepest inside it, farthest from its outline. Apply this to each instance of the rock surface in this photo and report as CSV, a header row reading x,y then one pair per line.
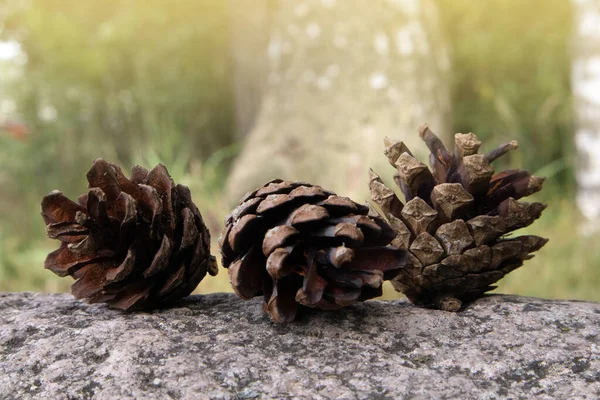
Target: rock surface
x,y
218,347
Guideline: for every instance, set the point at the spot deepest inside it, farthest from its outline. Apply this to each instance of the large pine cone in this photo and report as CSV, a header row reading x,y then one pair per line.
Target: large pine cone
x,y
130,243
298,244
456,220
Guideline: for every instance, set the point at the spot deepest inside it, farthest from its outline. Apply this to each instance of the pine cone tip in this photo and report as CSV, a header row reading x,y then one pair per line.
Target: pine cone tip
x,y
456,219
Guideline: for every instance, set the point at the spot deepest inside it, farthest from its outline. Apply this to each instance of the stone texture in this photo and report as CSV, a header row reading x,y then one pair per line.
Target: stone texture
x,y
218,347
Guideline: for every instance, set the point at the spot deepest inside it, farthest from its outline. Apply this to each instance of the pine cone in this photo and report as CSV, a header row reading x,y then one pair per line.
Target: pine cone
x,y
298,244
456,219
130,243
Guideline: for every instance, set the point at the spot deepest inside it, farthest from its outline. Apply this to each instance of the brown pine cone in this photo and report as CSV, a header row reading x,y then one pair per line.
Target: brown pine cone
x,y
133,244
456,219
300,245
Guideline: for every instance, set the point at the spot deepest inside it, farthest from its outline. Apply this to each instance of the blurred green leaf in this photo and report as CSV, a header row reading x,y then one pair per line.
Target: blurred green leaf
x,y
511,77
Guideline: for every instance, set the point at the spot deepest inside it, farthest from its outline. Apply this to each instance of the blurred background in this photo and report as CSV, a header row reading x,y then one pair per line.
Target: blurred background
x,y
229,94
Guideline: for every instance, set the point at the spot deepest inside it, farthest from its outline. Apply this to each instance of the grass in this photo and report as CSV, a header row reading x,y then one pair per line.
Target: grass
x,y
568,267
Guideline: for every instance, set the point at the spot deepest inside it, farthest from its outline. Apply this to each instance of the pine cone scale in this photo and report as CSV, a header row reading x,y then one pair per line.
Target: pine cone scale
x,y
103,177
67,232
161,259
241,234
279,263
248,207
173,282
335,256
312,289
123,270
307,214
190,234
61,261
91,279
246,274
280,236
282,305
150,205
131,297
56,208
339,206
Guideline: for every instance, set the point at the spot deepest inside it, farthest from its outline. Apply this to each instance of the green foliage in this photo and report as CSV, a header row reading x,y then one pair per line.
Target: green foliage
x,y
132,81
110,77
511,76
567,267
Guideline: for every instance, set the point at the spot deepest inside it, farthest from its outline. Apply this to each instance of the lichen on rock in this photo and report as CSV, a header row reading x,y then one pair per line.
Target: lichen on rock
x,y
219,347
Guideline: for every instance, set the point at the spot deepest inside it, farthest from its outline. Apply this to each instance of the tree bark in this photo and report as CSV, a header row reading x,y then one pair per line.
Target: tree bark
x,y
586,94
250,21
342,75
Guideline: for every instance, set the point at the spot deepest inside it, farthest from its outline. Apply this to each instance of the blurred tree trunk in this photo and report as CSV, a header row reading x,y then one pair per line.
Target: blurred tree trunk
x,y
342,75
586,91
250,22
